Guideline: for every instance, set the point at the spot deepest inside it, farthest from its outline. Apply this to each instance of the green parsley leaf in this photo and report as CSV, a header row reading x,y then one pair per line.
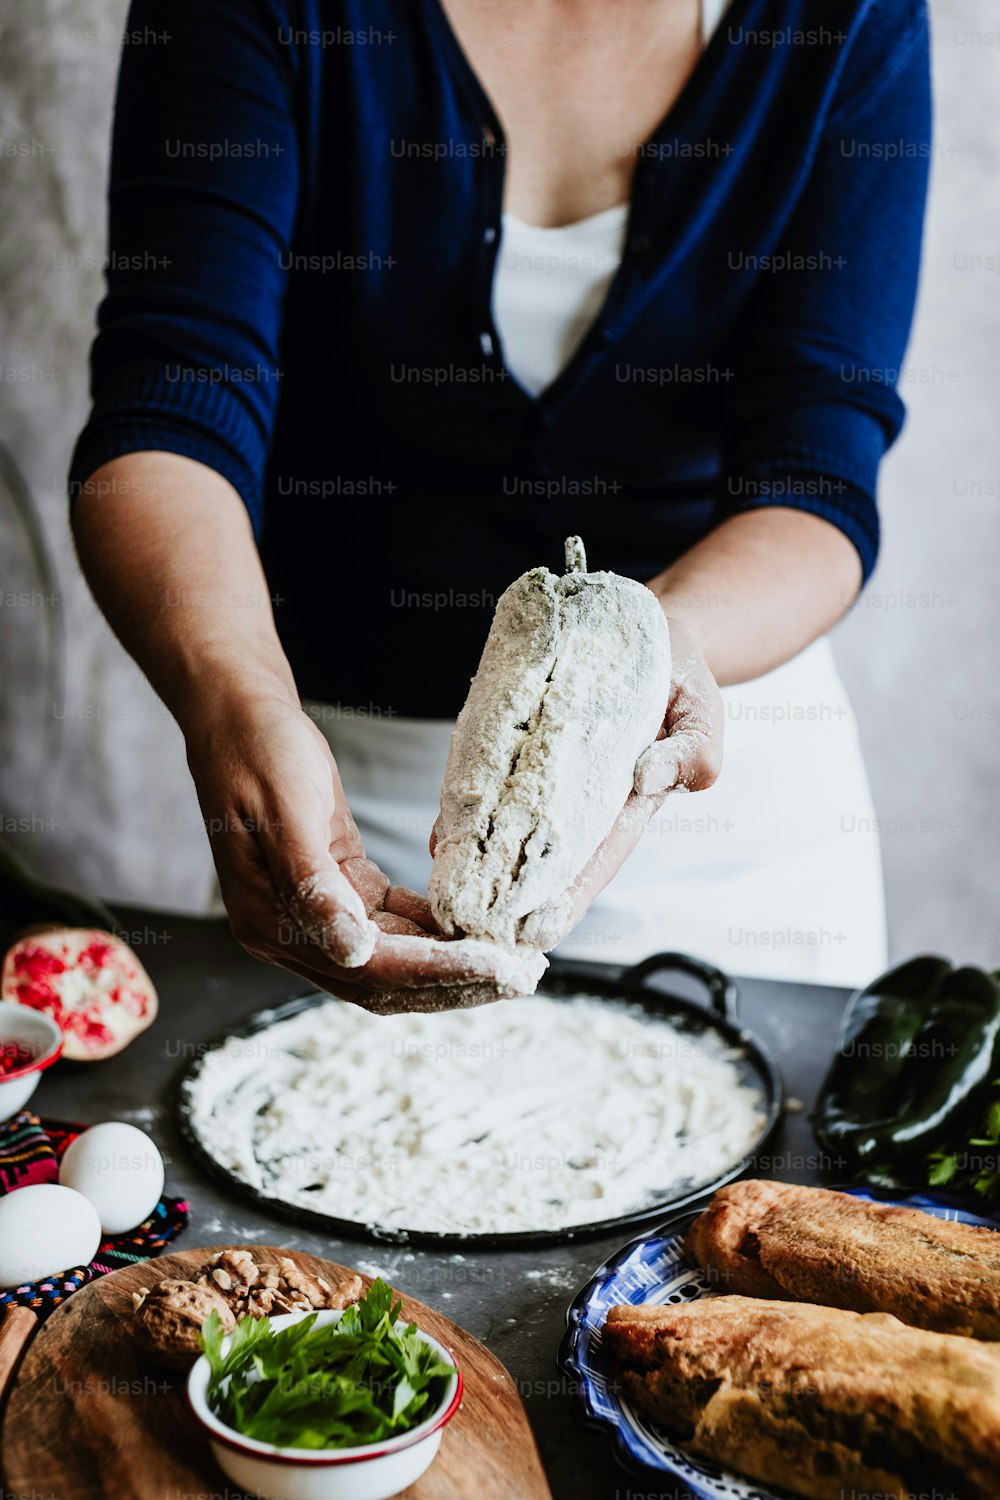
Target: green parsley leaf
x,y
359,1380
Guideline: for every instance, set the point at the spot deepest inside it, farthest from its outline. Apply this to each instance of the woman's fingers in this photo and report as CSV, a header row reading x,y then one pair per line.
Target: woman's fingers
x,y
327,908
387,921
369,881
344,841
330,902
267,933
690,755
301,893
411,971
407,963
267,890
402,961
688,760
403,902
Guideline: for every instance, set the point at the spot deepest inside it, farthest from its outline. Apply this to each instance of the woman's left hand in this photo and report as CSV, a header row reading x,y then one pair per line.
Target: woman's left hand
x,y
687,756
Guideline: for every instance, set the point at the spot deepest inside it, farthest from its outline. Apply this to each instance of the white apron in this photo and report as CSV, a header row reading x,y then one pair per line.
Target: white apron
x,y
774,872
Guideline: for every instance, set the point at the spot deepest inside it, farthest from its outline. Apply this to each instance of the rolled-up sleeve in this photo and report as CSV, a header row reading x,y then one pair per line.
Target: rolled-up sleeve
x,y
203,198
814,404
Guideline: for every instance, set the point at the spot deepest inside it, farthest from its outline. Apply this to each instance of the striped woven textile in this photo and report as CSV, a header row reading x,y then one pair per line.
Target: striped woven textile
x,y
30,1149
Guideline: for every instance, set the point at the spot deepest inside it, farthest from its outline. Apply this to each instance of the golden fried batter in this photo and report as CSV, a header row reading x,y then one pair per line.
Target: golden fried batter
x,y
772,1239
816,1400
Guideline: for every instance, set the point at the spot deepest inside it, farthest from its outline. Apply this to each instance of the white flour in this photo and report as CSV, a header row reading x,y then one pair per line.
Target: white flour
x,y
527,1115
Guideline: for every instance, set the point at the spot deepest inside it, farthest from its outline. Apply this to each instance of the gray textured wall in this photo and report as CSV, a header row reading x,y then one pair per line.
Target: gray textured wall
x,y
921,652
94,785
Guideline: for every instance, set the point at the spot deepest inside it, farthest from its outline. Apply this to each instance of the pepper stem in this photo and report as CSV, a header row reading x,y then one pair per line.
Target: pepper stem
x,y
576,555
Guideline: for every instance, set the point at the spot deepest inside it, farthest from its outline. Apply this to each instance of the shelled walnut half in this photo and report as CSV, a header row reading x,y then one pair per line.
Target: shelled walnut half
x,y
167,1320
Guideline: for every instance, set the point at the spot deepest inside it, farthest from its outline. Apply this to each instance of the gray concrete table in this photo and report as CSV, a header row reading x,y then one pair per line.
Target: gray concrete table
x,y
514,1301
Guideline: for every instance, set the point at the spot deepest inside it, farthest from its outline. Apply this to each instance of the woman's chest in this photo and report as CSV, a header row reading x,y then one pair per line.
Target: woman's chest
x,y
578,88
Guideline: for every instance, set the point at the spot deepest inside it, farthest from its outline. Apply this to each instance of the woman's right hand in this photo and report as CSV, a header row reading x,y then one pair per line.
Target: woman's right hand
x,y
295,880
168,549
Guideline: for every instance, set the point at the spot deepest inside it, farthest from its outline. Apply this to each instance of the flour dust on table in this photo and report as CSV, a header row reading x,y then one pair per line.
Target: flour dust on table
x,y
530,1115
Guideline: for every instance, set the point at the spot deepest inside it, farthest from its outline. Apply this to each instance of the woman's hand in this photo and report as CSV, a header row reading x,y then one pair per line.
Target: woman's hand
x,y
687,756
167,546
295,880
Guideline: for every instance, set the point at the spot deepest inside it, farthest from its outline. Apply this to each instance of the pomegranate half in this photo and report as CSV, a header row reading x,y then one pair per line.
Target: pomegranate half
x,y
88,981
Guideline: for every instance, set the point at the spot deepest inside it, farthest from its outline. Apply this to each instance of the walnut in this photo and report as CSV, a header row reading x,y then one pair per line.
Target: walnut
x,y
317,1291
233,1271
286,1287
267,1301
345,1292
294,1279
167,1320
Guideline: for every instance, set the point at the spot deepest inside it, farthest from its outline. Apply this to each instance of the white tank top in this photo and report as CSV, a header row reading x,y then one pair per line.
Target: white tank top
x,y
550,284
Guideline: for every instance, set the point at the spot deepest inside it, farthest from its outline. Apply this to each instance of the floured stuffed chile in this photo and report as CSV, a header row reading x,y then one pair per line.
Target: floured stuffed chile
x,y
571,689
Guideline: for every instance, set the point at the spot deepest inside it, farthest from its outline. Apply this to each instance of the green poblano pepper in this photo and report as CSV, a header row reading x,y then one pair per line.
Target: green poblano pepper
x,y
916,1048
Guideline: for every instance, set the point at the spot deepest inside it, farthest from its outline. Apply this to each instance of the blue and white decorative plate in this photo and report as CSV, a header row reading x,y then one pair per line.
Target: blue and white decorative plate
x,y
652,1269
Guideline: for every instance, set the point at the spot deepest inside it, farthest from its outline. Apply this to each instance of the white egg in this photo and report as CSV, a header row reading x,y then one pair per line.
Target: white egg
x,y
45,1228
119,1169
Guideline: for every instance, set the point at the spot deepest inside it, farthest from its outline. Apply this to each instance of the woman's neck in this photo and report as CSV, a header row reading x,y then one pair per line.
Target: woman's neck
x,y
579,86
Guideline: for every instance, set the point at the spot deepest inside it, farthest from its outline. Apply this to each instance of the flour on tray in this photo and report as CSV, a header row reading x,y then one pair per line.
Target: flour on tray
x,y
530,1114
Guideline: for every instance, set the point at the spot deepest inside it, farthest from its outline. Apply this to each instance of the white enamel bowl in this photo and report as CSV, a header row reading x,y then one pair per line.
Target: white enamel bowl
x,y
370,1472
22,1027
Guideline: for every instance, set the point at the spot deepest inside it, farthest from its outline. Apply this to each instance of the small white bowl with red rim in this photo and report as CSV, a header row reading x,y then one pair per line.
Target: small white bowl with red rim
x,y
30,1042
371,1471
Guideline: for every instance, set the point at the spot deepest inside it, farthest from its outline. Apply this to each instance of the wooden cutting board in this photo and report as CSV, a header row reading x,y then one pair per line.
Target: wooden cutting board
x,y
90,1417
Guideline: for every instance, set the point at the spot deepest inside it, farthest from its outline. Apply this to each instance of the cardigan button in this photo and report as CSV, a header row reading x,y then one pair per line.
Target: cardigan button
x,y
486,343
489,234
640,243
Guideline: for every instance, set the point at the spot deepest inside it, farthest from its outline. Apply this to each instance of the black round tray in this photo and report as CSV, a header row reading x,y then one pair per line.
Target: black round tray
x,y
720,1015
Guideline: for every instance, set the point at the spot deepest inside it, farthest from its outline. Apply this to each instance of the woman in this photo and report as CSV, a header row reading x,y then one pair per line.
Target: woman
x,y
399,296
